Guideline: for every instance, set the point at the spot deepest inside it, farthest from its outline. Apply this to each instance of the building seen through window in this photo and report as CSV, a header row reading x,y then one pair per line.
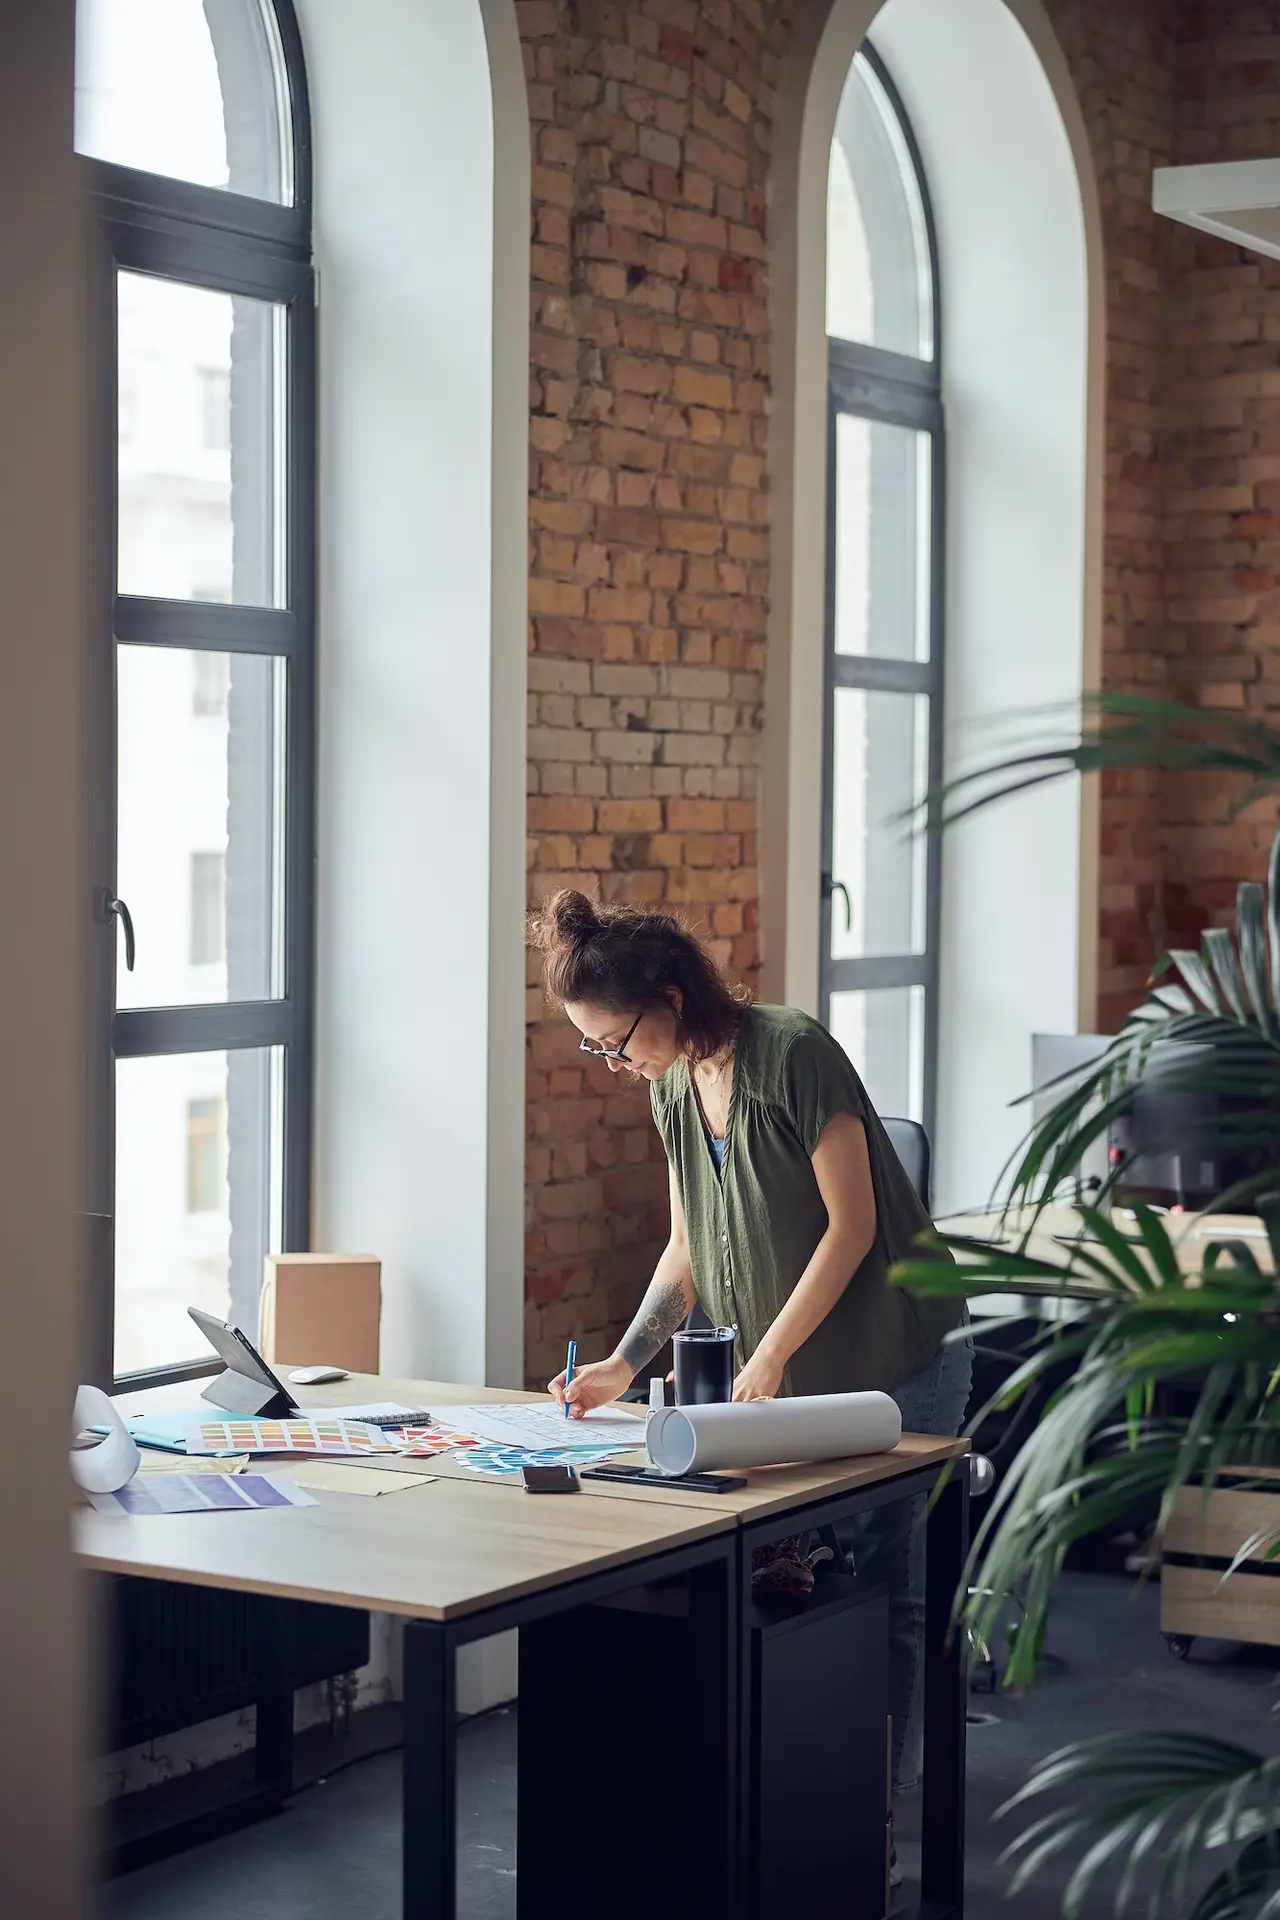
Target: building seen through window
x,y
187,117
883,694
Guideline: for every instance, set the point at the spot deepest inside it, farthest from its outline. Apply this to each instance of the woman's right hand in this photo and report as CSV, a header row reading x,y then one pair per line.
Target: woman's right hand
x,y
592,1386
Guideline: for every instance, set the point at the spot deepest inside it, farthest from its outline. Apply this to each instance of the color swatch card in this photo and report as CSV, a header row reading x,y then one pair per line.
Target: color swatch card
x,y
203,1493
509,1461
422,1442
289,1436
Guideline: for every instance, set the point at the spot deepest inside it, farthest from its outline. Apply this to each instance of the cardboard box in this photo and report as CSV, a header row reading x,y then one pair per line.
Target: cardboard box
x,y
321,1309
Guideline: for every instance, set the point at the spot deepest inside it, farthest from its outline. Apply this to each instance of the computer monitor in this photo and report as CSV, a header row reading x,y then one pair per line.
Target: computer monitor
x,y
1175,1147
1055,1059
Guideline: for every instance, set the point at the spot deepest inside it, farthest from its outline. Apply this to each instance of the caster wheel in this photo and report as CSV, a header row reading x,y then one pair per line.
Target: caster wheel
x,y
1179,1644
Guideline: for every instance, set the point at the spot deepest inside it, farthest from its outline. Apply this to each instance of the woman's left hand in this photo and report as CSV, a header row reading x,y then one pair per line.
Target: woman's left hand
x,y
759,1379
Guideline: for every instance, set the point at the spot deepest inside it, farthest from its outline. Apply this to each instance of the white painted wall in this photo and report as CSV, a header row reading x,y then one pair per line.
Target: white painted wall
x,y
1012,263
421,669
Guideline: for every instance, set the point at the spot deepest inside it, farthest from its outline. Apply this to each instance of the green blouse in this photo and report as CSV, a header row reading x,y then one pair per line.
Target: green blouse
x,y
754,1226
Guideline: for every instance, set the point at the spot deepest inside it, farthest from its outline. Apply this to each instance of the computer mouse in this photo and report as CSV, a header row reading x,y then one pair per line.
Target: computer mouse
x,y
316,1376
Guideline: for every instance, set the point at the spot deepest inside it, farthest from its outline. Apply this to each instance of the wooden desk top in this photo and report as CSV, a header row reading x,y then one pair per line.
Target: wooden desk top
x,y
769,1490
465,1542
439,1551
1057,1226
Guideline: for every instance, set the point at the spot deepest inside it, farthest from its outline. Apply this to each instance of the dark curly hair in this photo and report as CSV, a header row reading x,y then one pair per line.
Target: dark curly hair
x,y
628,959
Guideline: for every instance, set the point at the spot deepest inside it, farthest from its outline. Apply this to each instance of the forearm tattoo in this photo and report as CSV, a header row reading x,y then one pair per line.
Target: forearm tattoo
x,y
661,1311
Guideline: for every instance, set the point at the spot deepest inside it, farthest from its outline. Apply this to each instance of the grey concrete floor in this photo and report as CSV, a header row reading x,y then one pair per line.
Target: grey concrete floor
x,y
334,1853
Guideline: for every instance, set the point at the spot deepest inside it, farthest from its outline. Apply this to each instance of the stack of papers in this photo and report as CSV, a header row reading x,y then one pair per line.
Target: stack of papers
x,y
532,1427
537,1427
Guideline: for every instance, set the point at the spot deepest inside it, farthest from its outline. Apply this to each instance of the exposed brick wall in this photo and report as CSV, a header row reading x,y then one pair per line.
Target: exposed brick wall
x,y
649,517
1220,455
1121,59
648,561
1192,507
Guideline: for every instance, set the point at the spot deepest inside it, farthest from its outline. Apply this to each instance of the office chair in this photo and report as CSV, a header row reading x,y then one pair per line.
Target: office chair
x,y
911,1144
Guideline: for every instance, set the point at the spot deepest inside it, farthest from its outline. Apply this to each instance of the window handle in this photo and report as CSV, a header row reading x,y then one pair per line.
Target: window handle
x,y
831,886
113,907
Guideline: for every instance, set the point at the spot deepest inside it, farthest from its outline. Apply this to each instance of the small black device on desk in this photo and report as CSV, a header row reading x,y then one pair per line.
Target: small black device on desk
x,y
653,1477
549,1479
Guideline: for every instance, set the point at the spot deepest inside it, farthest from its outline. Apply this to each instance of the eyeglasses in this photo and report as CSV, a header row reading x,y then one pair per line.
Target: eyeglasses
x,y
611,1053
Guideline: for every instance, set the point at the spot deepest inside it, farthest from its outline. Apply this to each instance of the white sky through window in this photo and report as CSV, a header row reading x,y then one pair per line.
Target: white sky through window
x,y
147,88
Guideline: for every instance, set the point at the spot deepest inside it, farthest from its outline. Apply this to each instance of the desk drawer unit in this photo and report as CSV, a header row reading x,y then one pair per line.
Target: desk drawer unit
x,y
815,1819
818,1754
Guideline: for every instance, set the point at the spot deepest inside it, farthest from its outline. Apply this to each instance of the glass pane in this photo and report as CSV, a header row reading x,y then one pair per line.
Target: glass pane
x,y
879,767
197,1196
201,446
201,804
881,539
879,285
882,1031
195,89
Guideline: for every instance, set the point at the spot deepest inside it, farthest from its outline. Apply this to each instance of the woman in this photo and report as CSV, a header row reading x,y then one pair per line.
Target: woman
x,y
788,1207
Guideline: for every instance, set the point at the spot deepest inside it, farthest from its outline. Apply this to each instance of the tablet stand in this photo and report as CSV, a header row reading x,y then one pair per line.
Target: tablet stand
x,y
240,1394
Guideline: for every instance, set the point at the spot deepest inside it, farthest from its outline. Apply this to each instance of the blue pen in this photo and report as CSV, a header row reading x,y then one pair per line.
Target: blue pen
x,y
568,1372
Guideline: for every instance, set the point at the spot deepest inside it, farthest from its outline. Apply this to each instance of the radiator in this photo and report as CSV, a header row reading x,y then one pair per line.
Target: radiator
x,y
179,1654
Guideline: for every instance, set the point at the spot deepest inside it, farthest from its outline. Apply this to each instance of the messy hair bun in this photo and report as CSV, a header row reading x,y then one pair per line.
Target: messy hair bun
x,y
573,917
627,959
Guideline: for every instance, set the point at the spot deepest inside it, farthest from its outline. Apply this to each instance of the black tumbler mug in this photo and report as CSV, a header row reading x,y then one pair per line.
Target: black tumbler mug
x,y
704,1365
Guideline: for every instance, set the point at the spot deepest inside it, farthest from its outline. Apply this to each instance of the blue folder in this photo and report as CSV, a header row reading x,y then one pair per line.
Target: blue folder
x,y
168,1431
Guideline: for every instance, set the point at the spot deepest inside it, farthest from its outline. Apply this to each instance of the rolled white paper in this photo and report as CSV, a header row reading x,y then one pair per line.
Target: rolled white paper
x,y
114,1461
764,1433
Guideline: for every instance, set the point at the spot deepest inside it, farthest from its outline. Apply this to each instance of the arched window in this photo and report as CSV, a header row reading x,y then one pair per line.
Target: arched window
x,y
883,730
193,122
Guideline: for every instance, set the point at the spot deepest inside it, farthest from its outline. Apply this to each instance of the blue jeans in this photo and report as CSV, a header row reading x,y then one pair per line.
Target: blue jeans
x,y
888,1544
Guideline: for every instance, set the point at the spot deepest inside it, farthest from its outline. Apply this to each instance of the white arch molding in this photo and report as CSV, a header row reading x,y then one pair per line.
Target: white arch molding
x,y
1006,154
422,247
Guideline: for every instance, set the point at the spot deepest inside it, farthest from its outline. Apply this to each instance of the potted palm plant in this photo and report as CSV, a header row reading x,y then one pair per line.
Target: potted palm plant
x,y
1179,1824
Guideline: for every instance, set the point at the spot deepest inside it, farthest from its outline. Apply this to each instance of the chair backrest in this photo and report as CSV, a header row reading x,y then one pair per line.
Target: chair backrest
x,y
911,1144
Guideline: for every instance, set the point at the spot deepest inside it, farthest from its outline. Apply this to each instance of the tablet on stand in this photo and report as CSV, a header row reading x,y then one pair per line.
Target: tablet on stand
x,y
248,1386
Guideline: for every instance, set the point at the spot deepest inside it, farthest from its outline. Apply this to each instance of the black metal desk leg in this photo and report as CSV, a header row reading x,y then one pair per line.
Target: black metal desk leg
x,y
942,1832
714,1722
430,1773
273,1749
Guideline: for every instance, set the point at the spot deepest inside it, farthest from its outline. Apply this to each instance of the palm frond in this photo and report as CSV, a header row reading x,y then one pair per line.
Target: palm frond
x,y
1251,934
1161,1803
1140,1322
1113,730
1150,1812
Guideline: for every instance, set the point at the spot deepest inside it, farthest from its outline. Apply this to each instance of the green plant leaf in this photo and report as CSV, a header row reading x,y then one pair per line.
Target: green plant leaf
x,y
1159,1801
1199,979
1219,954
1251,932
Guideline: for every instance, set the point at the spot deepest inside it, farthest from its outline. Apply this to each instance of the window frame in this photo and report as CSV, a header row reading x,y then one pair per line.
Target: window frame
x,y
898,390
229,242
